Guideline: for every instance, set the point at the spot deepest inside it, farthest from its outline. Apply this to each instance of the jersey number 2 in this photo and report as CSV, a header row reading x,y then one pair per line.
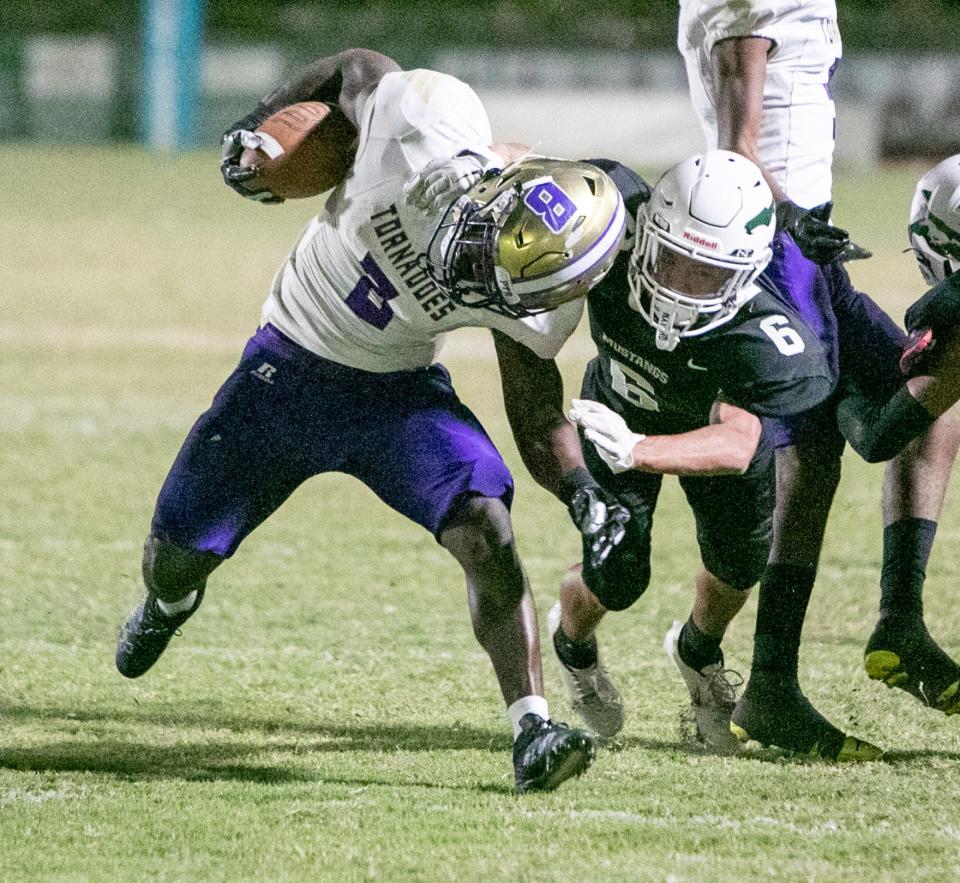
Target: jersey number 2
x,y
785,338
370,295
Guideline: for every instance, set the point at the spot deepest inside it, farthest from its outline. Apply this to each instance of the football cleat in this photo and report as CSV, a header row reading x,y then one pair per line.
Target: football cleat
x,y
146,633
593,696
774,712
713,695
546,754
908,658
917,352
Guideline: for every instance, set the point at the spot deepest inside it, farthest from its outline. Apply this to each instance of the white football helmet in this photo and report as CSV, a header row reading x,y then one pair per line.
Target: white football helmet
x,y
703,238
934,229
529,238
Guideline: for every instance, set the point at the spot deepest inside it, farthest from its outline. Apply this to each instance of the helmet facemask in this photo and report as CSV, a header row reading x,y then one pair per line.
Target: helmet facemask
x,y
462,255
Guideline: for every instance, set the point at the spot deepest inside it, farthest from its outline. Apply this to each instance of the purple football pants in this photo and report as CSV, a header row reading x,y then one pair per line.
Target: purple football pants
x,y
286,414
863,343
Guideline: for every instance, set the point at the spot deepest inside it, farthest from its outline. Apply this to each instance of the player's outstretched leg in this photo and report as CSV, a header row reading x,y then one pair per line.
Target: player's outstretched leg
x,y
593,696
175,580
774,712
480,536
713,695
547,753
904,655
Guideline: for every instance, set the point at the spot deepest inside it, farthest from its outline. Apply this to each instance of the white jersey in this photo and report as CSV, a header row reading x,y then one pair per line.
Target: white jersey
x,y
353,289
797,133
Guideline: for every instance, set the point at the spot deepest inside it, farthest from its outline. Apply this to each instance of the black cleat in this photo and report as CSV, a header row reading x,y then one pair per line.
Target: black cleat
x,y
774,711
547,753
904,655
146,633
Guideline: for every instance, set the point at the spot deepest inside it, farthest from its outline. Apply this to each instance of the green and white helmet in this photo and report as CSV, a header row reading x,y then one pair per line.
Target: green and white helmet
x,y
529,238
703,238
934,229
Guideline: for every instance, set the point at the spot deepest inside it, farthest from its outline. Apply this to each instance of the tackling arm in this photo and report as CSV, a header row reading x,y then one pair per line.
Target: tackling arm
x,y
724,447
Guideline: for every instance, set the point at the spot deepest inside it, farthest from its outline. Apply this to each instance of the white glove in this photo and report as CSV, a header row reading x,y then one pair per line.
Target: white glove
x,y
441,181
608,431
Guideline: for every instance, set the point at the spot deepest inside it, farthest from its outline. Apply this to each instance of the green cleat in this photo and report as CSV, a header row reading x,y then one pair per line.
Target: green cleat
x,y
905,656
774,712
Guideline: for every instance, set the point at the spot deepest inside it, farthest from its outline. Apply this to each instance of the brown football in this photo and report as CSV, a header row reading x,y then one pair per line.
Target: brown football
x,y
307,148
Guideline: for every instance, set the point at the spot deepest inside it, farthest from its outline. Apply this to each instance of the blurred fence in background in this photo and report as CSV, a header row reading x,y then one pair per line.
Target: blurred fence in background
x,y
609,80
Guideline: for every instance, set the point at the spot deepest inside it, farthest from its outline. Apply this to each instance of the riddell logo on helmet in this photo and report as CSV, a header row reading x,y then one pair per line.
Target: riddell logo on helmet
x,y
698,239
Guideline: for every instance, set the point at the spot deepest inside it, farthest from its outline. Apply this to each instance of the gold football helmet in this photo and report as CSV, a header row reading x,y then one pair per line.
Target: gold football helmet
x,y
529,238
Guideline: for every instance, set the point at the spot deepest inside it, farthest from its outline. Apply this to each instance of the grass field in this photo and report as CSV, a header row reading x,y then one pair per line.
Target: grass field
x,y
328,714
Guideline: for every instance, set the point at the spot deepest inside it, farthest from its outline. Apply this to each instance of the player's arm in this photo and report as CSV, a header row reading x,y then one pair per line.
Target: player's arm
x,y
879,431
739,67
345,80
739,71
550,447
724,447
533,399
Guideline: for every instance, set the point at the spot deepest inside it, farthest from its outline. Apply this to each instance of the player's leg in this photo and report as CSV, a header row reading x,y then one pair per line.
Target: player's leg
x,y
773,709
429,458
733,516
240,461
587,593
901,652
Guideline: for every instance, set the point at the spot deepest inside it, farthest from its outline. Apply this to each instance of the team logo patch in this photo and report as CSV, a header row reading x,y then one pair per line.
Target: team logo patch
x,y
549,203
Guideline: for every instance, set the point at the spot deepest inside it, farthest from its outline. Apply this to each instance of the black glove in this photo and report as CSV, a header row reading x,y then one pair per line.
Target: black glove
x,y
938,309
596,513
815,236
231,147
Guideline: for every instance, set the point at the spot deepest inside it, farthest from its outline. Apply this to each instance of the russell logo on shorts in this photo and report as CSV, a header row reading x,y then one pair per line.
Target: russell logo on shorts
x,y
265,373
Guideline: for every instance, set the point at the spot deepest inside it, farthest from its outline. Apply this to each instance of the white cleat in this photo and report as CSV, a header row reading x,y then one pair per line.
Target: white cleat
x,y
713,696
593,696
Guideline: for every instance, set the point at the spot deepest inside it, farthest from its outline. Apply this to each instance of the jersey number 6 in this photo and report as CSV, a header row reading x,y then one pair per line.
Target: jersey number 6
x,y
785,338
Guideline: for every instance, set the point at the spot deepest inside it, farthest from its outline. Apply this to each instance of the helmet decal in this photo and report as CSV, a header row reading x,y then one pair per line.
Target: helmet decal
x,y
530,238
549,203
762,217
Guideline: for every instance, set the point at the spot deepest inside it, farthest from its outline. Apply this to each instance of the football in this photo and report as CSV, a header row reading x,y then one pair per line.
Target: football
x,y
305,149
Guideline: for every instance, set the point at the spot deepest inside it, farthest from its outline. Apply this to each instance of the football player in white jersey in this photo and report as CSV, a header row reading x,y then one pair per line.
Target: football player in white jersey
x,y
759,76
341,375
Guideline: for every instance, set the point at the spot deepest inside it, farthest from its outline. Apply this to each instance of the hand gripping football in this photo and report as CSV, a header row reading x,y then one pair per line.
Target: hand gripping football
x,y
304,149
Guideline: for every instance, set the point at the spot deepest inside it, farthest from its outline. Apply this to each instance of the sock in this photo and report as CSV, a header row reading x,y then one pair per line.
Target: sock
x,y
697,649
906,550
575,654
785,591
527,705
172,608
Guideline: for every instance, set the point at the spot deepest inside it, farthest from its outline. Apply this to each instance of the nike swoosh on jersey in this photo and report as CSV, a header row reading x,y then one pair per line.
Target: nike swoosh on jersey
x,y
690,364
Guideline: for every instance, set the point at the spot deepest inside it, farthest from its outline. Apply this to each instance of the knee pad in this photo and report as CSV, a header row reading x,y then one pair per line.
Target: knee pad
x,y
743,569
625,575
172,572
